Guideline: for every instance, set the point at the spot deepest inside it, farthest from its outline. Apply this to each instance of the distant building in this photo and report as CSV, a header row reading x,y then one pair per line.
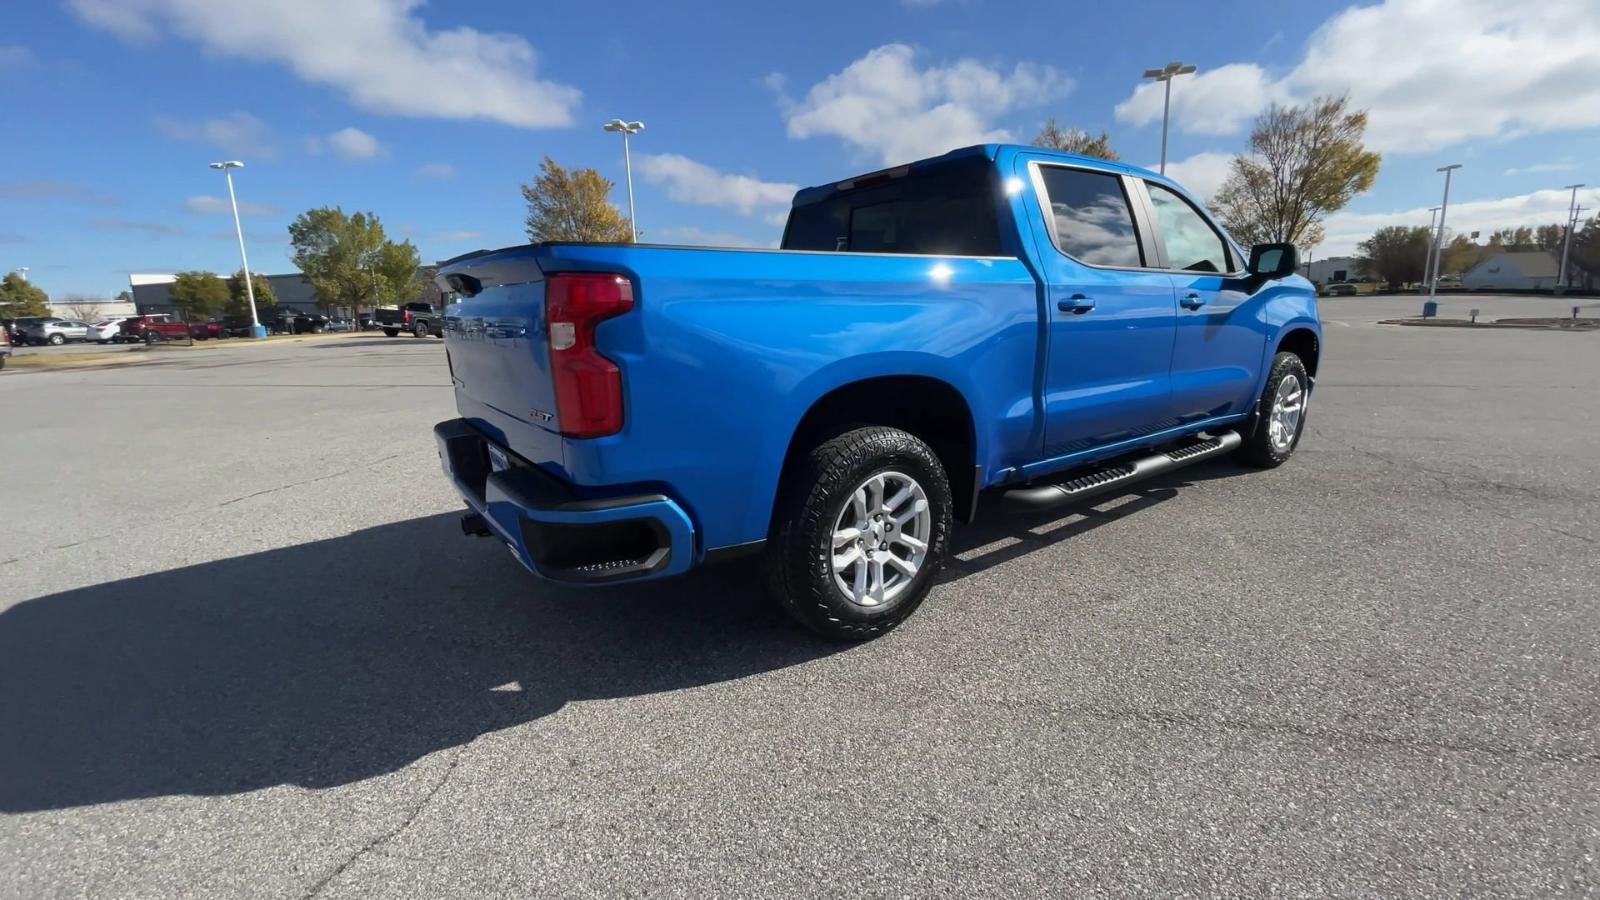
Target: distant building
x,y
1332,269
1519,270
152,292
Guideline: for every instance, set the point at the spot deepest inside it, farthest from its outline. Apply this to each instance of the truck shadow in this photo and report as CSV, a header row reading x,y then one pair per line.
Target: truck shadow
x,y
339,660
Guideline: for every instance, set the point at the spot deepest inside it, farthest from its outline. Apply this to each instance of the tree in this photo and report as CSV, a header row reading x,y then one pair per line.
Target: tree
x,y
350,261
1396,253
1304,162
239,301
1550,237
1459,255
573,205
19,297
200,295
1586,249
1075,140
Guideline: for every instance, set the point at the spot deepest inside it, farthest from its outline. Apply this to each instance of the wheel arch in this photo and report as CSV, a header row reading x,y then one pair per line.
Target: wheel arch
x,y
926,406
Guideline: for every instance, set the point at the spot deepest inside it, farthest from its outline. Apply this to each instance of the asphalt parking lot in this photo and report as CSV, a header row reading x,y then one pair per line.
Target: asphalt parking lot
x,y
245,651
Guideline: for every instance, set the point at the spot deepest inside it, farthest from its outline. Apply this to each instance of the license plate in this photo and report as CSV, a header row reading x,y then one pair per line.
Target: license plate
x,y
497,459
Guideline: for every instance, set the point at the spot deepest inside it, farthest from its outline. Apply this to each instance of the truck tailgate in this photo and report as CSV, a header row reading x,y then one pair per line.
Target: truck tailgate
x,y
500,363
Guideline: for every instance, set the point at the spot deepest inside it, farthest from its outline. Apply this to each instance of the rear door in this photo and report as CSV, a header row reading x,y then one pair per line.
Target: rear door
x,y
1111,317
1216,353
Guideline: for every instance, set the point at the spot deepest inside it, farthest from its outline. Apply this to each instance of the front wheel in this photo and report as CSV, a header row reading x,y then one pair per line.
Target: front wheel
x,y
861,534
1281,417
57,340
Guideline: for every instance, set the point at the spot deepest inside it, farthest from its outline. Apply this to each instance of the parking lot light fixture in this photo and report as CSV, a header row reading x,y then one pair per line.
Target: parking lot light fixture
x,y
1167,73
1438,241
227,167
627,128
1566,245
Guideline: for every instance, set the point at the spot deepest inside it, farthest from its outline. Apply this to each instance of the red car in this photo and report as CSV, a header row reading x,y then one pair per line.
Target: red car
x,y
154,327
202,331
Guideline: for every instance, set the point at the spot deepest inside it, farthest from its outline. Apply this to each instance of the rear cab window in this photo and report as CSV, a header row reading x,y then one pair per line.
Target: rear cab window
x,y
1190,241
947,209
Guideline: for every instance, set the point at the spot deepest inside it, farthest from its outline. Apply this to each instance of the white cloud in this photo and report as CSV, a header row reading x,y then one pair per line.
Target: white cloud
x,y
238,133
1564,165
1200,174
453,236
688,181
353,144
161,229
208,204
882,103
378,53
1219,101
1346,229
689,234
1430,74
436,170
15,56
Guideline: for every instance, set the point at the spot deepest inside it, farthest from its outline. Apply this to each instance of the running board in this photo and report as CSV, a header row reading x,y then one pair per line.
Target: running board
x,y
1105,481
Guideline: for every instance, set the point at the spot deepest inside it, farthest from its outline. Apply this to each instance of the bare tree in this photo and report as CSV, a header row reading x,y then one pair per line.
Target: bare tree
x,y
84,309
1075,140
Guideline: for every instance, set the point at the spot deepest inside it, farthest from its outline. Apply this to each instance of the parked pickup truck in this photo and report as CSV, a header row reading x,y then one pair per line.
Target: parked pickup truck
x,y
421,319
1002,322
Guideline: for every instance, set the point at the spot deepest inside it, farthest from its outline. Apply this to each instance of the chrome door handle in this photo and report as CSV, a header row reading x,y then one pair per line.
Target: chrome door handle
x,y
1192,300
1077,303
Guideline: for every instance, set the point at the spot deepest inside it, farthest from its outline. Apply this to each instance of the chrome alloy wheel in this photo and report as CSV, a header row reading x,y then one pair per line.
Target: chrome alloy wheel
x,y
880,538
1287,407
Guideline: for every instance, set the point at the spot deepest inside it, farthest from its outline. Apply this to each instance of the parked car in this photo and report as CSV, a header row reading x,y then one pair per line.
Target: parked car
x,y
51,330
5,345
106,331
1002,322
1339,289
365,322
421,319
339,325
13,327
205,331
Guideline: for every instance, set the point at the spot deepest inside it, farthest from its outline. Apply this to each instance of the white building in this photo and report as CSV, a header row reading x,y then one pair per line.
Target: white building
x,y
1521,270
1332,269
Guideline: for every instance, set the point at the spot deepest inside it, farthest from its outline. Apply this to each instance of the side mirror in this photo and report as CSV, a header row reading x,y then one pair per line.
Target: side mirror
x,y
1273,260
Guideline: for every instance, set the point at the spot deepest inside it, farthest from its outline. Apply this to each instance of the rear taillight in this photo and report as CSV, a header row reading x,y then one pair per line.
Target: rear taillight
x,y
405,316
588,386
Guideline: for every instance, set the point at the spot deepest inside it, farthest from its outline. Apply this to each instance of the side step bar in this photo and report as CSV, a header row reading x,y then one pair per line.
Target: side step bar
x,y
1105,481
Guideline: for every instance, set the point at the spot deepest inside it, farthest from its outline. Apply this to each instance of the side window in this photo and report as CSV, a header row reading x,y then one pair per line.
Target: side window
x,y
1191,242
1090,215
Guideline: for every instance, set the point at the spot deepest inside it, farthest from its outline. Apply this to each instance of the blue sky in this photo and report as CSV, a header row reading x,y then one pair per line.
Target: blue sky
x,y
432,114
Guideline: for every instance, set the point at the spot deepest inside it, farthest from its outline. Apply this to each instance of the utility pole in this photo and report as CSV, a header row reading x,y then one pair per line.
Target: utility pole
x,y
1166,74
1566,245
1444,206
628,128
1427,262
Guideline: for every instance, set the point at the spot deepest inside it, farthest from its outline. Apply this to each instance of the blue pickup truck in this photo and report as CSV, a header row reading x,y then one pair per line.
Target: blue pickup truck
x,y
1001,322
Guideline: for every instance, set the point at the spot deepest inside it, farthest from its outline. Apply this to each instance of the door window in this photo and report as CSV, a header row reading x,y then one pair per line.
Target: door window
x,y
1090,217
1192,244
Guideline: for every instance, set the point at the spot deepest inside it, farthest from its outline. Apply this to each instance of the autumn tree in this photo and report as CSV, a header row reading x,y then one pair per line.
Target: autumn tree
x,y
1550,237
1304,163
1398,254
1075,140
239,300
573,205
351,261
1459,255
200,295
1585,253
19,297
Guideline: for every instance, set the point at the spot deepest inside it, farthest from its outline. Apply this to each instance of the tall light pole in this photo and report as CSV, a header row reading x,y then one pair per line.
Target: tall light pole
x,y
1438,242
256,331
1167,73
628,128
1427,262
23,271
1572,225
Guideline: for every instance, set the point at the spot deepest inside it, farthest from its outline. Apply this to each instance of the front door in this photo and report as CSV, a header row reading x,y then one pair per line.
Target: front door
x,y
1217,353
1111,318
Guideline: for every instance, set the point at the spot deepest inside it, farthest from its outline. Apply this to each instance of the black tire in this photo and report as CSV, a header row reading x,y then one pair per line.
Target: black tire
x,y
391,332
420,330
800,553
1260,449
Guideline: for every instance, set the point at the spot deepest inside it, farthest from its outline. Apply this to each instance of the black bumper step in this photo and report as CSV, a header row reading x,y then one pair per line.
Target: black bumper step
x,y
1105,481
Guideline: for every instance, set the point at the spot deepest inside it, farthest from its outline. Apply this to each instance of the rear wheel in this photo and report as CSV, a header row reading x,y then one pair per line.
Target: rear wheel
x,y
420,330
391,332
862,533
1282,414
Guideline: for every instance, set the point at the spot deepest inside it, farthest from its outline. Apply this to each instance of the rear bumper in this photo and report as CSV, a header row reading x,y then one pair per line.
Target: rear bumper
x,y
555,533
